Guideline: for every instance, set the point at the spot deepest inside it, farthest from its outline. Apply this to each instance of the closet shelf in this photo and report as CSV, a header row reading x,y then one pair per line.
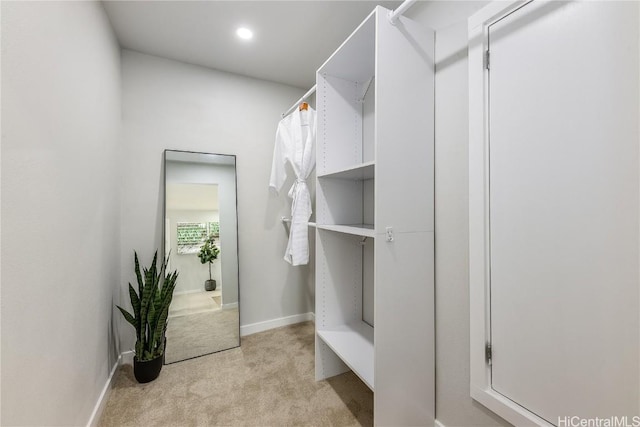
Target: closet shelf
x,y
359,172
364,230
353,343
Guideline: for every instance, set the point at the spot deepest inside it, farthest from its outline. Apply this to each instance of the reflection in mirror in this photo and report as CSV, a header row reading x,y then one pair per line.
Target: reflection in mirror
x,y
201,234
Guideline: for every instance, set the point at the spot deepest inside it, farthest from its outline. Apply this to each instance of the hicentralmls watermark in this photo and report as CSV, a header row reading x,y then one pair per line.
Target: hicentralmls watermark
x,y
614,421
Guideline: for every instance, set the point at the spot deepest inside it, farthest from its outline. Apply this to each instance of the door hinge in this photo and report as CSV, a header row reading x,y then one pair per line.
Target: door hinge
x,y
486,59
488,353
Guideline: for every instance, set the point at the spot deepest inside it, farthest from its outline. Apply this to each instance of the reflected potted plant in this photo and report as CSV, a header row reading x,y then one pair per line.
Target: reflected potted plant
x,y
208,253
150,311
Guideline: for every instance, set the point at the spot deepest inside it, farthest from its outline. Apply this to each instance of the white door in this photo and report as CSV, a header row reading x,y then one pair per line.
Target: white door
x,y
564,215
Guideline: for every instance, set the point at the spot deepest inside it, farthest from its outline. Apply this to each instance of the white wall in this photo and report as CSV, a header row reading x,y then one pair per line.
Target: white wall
x,y
60,209
454,406
167,104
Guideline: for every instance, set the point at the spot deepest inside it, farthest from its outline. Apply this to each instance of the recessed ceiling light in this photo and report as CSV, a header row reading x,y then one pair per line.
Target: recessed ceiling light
x,y
244,33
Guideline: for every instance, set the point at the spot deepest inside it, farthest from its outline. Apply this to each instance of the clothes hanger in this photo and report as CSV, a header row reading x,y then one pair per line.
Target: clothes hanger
x,y
304,106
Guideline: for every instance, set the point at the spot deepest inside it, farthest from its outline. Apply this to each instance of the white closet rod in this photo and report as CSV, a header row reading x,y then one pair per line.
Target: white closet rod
x,y
299,101
395,14
286,220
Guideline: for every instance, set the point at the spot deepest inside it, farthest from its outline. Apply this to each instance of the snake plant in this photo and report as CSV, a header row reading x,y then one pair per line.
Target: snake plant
x,y
150,308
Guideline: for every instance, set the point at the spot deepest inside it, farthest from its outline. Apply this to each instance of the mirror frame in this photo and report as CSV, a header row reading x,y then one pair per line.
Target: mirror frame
x,y
164,219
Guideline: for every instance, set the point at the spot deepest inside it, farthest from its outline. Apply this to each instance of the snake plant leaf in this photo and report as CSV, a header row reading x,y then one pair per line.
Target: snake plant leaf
x,y
128,316
157,300
147,294
135,303
161,324
169,285
162,320
159,276
139,350
168,294
152,270
138,275
165,262
165,276
151,317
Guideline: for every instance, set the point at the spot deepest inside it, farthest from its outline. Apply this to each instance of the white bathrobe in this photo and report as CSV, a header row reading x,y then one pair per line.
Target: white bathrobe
x,y
296,143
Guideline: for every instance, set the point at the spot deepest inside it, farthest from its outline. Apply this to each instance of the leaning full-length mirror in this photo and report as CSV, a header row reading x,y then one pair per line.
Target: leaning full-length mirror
x,y
201,236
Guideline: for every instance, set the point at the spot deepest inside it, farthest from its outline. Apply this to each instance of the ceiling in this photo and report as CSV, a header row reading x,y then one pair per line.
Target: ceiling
x,y
291,38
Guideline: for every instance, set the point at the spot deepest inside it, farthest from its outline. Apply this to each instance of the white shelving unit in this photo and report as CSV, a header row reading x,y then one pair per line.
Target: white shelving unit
x,y
374,294
353,343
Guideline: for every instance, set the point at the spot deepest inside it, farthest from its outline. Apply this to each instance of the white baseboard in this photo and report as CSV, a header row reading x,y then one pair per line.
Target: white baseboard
x,y
126,358
104,396
438,424
254,328
230,306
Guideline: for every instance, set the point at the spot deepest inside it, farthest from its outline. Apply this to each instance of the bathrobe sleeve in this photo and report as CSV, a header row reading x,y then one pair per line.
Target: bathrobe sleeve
x,y
280,154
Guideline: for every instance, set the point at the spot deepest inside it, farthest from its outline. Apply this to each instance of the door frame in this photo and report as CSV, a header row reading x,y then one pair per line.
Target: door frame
x,y
479,255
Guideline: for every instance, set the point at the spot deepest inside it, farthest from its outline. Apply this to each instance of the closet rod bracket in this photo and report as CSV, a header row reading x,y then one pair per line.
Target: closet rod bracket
x,y
366,90
395,14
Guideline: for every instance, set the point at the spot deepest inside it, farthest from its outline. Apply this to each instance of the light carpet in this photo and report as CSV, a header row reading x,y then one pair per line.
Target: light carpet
x,y
269,381
193,303
202,333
